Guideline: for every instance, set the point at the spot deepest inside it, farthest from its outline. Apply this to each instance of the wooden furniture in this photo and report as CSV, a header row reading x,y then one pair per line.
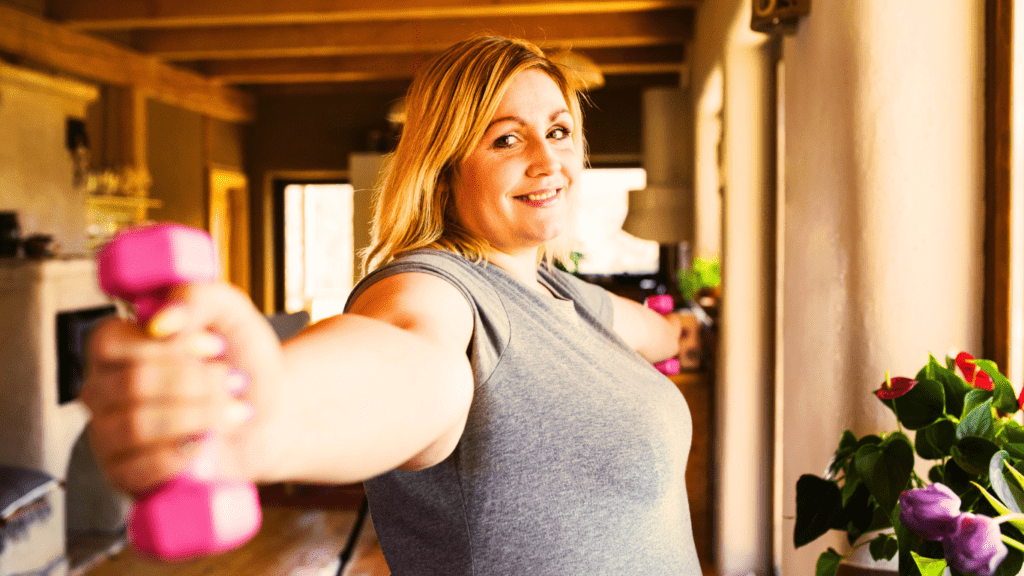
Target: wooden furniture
x,y
700,487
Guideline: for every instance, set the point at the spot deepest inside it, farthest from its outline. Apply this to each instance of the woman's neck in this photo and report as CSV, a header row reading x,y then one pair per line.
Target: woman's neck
x,y
521,265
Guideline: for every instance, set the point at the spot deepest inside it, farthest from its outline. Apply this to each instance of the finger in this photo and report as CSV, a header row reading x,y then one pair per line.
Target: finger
x,y
174,378
142,470
225,310
115,341
155,423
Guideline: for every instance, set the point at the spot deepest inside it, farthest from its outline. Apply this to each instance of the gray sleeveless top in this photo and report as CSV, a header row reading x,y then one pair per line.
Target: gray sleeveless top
x,y
572,461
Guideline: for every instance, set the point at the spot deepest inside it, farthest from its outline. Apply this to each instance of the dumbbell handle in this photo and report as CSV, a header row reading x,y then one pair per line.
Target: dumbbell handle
x,y
197,513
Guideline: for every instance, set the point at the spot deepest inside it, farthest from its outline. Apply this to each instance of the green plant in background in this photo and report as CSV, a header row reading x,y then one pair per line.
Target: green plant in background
x,y
965,516
703,274
575,258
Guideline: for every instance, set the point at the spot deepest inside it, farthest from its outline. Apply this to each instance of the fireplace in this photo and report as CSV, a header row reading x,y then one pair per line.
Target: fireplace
x,y
46,307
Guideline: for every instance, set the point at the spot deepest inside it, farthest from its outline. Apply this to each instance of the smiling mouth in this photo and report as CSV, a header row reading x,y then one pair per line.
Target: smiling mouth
x,y
539,196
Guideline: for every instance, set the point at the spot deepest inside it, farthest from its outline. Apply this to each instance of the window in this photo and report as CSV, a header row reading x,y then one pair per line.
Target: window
x,y
318,253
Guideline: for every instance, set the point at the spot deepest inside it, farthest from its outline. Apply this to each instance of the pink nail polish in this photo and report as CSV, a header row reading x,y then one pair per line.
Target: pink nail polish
x,y
237,382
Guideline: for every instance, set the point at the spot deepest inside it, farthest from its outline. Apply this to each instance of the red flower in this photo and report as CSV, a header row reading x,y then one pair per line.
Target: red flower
x,y
895,387
973,374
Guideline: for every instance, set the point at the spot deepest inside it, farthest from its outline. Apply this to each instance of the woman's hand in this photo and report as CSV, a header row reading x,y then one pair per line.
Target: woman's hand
x,y
654,336
205,366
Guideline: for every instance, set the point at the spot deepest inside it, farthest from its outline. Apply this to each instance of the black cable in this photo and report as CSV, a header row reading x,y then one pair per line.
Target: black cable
x,y
346,552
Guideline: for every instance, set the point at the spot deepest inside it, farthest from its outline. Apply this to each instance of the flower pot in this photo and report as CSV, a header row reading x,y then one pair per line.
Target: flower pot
x,y
860,562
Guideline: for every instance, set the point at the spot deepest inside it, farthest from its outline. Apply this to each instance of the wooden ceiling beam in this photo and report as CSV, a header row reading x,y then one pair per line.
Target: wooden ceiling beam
x,y
397,36
333,69
118,14
49,45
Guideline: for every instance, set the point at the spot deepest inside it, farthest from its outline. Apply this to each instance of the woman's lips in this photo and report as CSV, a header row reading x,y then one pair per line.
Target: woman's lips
x,y
540,199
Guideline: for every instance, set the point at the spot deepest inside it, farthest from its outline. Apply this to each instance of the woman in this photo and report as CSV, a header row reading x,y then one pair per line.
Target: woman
x,y
504,416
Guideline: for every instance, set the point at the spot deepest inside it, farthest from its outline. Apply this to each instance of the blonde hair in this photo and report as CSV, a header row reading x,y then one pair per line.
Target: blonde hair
x,y
448,107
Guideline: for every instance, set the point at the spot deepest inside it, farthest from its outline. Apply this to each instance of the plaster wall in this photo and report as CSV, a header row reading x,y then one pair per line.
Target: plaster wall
x,y
36,168
177,164
732,83
883,211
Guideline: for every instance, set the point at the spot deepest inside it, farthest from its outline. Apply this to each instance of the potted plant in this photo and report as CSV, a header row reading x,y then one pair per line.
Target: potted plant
x,y
963,516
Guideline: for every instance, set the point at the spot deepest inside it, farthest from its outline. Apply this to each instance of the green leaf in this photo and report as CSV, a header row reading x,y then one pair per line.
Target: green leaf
x,y
883,547
998,481
977,422
1015,489
1011,438
958,479
858,514
869,440
850,484
908,542
847,446
1003,397
923,404
934,441
974,398
828,563
973,454
955,387
929,566
885,469
999,506
817,506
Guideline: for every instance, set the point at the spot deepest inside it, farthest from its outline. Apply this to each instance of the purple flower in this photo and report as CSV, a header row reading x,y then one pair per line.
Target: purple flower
x,y
930,512
976,545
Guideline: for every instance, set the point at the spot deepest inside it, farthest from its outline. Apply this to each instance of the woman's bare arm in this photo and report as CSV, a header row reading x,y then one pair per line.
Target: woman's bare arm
x,y
387,385
654,336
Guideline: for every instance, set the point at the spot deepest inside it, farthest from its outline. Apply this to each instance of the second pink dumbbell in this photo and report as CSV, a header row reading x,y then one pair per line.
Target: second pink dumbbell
x,y
663,304
197,513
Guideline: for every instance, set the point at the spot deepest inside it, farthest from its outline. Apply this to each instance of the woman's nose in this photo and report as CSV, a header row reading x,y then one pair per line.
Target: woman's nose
x,y
543,160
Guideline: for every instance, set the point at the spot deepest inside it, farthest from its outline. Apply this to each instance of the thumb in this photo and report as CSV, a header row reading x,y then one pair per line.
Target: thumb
x,y
251,347
221,308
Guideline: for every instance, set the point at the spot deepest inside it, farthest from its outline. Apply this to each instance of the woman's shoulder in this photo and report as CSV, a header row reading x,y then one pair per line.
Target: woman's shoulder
x,y
590,295
458,270
432,257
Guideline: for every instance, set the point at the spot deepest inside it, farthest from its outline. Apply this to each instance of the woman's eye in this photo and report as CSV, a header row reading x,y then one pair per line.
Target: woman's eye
x,y
505,141
559,133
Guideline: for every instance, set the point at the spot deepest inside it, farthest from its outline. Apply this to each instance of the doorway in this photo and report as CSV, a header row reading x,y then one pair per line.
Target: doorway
x,y
228,223
314,247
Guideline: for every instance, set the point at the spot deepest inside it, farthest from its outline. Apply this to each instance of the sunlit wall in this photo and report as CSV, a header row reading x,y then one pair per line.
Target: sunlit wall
x,y
884,211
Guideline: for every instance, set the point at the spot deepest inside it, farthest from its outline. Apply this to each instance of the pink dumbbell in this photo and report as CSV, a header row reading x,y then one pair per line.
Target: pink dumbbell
x,y
197,513
663,304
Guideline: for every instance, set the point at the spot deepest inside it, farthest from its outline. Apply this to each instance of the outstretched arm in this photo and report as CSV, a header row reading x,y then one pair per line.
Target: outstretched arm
x,y
387,385
654,336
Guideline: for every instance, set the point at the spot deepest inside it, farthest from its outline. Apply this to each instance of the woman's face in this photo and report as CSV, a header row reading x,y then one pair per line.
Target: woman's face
x,y
513,189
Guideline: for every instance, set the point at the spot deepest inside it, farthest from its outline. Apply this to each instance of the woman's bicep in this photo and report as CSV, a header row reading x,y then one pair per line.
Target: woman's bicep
x,y
386,384
437,312
420,303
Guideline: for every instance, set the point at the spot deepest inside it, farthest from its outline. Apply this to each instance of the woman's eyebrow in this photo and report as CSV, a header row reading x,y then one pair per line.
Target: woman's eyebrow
x,y
519,120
